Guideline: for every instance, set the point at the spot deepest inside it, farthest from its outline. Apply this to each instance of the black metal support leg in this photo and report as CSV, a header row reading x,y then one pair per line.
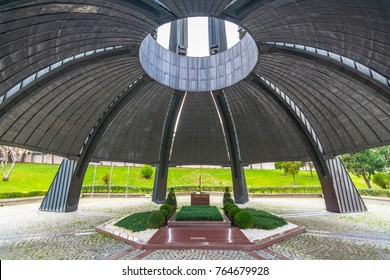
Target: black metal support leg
x,y
238,175
161,175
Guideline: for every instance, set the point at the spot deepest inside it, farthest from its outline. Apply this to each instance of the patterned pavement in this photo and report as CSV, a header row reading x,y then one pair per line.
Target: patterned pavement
x,y
26,233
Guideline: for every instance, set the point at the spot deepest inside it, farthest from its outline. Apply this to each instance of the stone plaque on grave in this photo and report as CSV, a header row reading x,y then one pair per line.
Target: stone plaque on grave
x,y
200,199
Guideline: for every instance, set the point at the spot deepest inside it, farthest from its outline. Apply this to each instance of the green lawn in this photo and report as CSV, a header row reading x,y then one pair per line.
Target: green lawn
x,y
38,177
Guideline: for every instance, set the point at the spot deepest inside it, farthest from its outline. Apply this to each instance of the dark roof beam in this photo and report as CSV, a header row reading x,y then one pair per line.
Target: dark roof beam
x,y
97,132
240,9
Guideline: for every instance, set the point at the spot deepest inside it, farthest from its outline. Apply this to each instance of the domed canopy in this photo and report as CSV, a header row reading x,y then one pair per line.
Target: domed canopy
x,y
55,110
71,80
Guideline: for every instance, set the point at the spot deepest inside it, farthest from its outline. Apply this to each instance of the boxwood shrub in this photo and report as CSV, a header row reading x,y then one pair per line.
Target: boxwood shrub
x,y
226,206
233,212
155,220
243,220
167,208
166,215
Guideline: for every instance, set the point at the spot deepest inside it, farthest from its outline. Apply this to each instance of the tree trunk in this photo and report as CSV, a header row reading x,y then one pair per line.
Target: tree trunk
x,y
23,159
6,176
367,180
295,182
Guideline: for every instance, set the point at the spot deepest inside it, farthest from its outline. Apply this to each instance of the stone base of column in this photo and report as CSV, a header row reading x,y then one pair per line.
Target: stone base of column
x,y
347,197
57,196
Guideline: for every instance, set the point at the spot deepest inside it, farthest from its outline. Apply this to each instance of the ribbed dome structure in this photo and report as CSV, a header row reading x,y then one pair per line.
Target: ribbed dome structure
x,y
72,84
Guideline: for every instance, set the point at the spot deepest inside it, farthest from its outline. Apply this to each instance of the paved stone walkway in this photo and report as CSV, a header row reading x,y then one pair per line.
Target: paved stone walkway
x,y
26,233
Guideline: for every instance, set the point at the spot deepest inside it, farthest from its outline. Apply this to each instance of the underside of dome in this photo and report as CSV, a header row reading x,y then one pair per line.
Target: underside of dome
x,y
309,80
63,63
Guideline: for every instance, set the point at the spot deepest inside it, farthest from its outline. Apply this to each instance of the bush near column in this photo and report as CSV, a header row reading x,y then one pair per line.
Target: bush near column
x,y
166,215
167,208
227,197
243,220
171,199
226,206
233,211
230,206
156,220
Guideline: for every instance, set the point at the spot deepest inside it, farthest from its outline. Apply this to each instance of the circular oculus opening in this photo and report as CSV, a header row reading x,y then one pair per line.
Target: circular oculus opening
x,y
208,73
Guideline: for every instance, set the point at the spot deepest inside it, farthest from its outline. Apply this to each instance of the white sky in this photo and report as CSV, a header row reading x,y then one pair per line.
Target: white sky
x,y
198,36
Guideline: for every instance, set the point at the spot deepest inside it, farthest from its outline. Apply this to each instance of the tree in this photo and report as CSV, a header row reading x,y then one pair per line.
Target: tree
x,y
381,179
279,166
311,166
385,154
364,164
292,168
9,154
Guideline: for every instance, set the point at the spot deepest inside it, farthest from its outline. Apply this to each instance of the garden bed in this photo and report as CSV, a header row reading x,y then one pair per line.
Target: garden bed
x,y
199,213
135,222
265,220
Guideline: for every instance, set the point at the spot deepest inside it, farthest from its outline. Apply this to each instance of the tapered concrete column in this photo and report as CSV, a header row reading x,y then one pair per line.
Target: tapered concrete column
x,y
347,195
238,175
57,196
161,175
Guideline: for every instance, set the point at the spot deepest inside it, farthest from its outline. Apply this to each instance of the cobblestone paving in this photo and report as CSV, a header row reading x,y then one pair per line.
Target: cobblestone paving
x,y
198,255
132,255
26,233
266,255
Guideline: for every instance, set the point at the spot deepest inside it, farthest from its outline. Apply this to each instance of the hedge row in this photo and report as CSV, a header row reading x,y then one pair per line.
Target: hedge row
x,y
21,194
148,190
122,189
116,189
298,189
371,192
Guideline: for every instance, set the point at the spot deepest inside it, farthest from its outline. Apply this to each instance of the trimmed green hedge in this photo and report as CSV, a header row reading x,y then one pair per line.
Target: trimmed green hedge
x,y
116,189
372,192
298,189
21,194
148,190
199,213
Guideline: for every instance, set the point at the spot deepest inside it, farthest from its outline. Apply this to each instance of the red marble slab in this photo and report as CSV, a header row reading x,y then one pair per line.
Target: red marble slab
x,y
198,237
